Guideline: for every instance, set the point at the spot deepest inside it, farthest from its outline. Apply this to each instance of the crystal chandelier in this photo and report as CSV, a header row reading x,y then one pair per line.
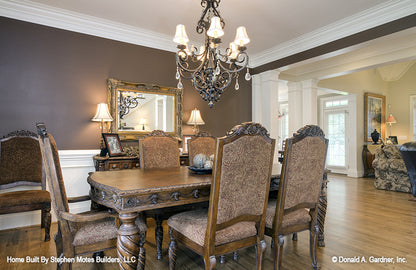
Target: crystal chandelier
x,y
210,70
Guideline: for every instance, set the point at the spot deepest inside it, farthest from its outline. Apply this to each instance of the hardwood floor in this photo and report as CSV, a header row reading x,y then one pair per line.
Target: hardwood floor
x,y
361,222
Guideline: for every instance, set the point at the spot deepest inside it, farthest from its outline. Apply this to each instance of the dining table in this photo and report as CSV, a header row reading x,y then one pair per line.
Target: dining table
x,y
130,192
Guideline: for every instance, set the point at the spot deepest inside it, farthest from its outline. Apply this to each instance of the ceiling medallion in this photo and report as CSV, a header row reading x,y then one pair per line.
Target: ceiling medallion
x,y
210,70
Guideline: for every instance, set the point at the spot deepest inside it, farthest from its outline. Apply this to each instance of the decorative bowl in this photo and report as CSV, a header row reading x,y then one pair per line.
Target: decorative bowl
x,y
200,170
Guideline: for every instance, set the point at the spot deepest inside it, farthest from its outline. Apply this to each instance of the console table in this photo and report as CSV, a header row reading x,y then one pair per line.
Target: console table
x,y
115,163
368,157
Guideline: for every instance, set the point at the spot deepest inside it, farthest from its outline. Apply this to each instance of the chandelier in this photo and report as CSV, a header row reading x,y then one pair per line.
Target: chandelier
x,y
210,70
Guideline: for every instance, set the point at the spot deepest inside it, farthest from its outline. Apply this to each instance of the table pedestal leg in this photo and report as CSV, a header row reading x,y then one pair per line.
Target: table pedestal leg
x,y
130,249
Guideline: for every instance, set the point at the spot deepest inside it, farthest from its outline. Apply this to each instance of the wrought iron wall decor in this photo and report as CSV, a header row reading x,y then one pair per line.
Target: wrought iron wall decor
x,y
210,70
127,103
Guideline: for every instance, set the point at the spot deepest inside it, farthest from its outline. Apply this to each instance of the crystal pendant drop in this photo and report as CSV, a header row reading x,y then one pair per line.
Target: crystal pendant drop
x,y
237,86
177,74
217,70
247,76
180,85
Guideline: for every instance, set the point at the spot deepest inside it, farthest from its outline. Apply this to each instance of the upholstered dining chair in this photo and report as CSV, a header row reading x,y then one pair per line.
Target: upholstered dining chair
x,y
296,206
82,233
238,199
21,165
408,152
202,143
159,150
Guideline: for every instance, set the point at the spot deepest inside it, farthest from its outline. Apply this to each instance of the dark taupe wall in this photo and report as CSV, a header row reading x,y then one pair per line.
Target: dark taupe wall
x,y
58,77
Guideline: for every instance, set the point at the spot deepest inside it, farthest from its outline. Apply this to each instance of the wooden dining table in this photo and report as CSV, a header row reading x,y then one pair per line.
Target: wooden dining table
x,y
130,192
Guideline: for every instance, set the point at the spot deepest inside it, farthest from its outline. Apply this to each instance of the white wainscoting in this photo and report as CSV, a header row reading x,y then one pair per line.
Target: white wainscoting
x,y
75,164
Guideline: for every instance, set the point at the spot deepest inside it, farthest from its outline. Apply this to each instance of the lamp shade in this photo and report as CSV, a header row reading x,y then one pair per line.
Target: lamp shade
x,y
391,120
180,36
241,37
215,29
102,113
195,118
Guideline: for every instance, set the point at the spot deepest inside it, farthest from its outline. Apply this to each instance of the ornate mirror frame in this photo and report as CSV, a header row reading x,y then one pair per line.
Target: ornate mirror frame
x,y
113,86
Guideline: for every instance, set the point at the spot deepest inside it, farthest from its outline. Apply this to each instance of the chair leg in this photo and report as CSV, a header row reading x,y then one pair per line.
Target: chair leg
x,y
46,222
313,242
172,250
260,248
159,236
210,262
278,250
295,237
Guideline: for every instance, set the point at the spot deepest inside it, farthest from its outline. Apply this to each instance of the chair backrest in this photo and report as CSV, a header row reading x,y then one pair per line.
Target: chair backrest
x,y
20,160
202,143
159,150
302,170
408,152
53,172
241,179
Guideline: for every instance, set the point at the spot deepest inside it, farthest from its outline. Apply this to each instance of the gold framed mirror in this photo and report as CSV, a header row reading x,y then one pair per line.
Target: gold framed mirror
x,y
139,108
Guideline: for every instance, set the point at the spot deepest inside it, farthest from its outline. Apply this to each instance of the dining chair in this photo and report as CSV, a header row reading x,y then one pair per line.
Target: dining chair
x,y
202,143
81,233
296,206
21,166
159,150
238,199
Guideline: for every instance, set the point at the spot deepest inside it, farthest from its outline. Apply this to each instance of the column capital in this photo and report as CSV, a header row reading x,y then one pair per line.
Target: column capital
x,y
270,75
311,83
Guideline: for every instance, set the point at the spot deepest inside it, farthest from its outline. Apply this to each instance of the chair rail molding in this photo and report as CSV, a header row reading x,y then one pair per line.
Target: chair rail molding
x,y
75,164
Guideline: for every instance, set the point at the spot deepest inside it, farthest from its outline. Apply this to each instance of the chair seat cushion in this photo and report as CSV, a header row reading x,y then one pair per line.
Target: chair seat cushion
x,y
93,232
193,225
300,216
24,197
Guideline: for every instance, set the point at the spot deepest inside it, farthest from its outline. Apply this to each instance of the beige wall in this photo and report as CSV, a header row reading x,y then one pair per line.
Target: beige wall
x,y
399,98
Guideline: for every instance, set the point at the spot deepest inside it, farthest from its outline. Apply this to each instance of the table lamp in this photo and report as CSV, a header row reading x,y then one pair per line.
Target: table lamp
x,y
195,120
102,115
391,120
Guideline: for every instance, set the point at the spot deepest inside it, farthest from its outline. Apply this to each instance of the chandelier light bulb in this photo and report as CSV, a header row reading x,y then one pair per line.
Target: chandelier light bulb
x,y
234,50
180,36
215,29
241,37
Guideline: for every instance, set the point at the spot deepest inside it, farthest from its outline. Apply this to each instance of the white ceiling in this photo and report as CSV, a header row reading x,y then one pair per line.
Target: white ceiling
x,y
277,28
272,25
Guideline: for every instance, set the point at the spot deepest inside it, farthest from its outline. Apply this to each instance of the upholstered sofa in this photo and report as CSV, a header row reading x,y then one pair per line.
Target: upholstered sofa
x,y
390,170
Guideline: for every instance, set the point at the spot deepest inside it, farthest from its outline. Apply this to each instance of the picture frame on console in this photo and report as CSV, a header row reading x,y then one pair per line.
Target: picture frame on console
x,y
185,140
113,144
374,115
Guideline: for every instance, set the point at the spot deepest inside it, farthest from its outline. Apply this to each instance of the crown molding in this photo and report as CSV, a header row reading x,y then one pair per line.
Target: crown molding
x,y
375,16
33,12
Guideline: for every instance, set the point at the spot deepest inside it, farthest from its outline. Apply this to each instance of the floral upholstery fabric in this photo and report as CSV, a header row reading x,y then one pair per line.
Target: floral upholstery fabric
x,y
21,160
304,171
193,225
390,170
244,177
201,145
159,152
300,216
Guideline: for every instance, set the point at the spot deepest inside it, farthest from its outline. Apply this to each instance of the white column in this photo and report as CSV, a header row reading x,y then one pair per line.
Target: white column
x,y
310,102
295,106
265,102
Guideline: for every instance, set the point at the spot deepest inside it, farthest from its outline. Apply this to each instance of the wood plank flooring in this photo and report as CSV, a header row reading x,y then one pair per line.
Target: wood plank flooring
x,y
361,222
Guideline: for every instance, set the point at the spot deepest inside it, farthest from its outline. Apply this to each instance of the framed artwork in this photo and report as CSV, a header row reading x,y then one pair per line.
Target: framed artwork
x,y
374,115
113,145
393,139
186,138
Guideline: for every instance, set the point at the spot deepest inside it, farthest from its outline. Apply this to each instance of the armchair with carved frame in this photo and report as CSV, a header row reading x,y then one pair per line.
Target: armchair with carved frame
x,y
81,233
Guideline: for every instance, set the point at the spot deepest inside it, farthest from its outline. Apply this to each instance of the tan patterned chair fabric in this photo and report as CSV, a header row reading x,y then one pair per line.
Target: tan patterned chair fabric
x,y
238,199
81,233
159,150
296,206
202,143
21,165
